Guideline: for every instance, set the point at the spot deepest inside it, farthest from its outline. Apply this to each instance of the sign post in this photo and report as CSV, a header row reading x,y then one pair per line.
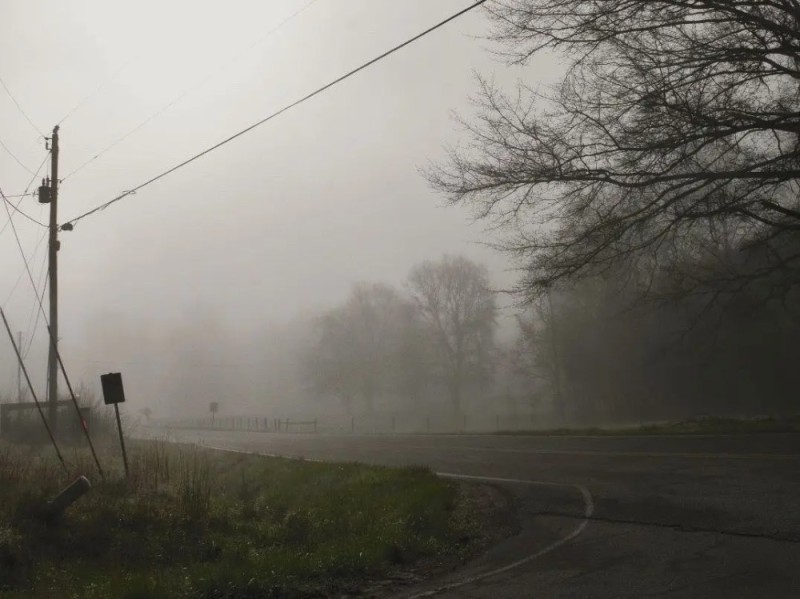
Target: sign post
x,y
113,393
213,408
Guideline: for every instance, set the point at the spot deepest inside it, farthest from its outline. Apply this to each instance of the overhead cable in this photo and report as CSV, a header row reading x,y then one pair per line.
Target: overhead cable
x,y
35,313
279,112
21,213
22,272
97,90
22,195
6,204
52,343
184,93
33,392
14,156
19,107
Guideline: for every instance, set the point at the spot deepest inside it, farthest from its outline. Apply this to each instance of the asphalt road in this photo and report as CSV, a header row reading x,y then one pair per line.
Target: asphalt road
x,y
658,516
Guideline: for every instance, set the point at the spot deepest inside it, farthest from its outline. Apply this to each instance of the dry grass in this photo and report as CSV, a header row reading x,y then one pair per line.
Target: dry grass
x,y
195,523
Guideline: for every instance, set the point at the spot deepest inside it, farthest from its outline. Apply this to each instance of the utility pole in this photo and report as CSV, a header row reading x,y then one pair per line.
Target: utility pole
x,y
19,370
52,362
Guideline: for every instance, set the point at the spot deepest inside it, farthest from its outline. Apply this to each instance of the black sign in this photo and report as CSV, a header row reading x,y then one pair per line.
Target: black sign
x,y
214,407
112,388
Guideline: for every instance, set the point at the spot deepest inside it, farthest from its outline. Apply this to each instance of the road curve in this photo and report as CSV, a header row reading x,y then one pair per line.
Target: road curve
x,y
660,516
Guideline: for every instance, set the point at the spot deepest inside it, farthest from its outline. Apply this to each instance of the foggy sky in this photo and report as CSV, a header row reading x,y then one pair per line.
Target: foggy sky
x,y
275,225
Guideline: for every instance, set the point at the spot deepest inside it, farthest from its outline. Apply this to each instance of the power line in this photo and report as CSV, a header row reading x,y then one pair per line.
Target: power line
x,y
33,392
52,342
187,91
17,104
10,221
14,156
22,195
21,213
36,174
32,330
97,90
22,273
6,203
275,114
39,300
35,314
180,97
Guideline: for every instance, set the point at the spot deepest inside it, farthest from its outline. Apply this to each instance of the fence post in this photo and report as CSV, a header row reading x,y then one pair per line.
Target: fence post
x,y
315,425
465,423
393,423
427,424
287,425
352,424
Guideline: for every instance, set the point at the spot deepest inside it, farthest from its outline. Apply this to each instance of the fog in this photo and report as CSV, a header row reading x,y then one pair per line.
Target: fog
x,y
207,278
297,271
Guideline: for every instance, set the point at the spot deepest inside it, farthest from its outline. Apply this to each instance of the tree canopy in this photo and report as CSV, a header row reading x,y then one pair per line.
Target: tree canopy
x,y
454,300
670,147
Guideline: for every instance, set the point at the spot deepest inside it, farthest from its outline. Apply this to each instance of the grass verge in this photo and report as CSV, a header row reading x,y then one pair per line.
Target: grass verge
x,y
696,426
203,524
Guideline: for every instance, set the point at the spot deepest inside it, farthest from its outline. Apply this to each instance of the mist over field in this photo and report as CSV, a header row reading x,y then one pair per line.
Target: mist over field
x,y
280,275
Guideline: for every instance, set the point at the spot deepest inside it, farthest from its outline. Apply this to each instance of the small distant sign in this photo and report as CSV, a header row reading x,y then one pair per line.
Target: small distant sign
x,y
213,407
113,393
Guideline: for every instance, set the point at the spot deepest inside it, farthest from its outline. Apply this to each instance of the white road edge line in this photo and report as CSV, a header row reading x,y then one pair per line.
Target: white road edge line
x,y
587,514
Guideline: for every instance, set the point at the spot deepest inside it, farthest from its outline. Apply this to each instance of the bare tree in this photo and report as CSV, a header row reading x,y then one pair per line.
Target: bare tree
x,y
674,120
367,347
458,307
536,353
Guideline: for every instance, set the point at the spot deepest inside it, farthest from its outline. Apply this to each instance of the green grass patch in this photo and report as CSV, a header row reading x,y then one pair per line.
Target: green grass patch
x,y
204,524
695,426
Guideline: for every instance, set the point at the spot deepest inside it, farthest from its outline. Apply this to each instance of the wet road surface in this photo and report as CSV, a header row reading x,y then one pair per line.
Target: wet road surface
x,y
650,516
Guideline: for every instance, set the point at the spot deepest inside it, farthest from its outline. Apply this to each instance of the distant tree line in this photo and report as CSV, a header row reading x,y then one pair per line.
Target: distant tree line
x,y
594,351
433,340
650,200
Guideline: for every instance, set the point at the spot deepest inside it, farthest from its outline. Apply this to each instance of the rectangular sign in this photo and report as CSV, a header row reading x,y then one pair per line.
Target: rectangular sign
x,y
113,392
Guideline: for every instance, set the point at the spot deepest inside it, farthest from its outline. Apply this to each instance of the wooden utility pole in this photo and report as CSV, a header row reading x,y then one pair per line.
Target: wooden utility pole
x,y
52,362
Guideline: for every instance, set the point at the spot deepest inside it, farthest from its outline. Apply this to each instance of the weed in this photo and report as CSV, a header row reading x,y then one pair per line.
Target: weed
x,y
190,522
